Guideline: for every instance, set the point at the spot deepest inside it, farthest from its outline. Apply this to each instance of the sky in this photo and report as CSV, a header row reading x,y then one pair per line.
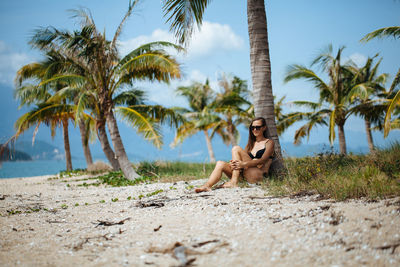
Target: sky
x,y
298,31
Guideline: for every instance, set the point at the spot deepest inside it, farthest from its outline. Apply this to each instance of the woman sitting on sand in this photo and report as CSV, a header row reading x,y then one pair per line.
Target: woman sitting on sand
x,y
253,162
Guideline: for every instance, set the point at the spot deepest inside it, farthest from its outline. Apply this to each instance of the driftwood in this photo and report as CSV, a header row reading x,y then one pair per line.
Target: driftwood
x,y
107,223
392,246
181,252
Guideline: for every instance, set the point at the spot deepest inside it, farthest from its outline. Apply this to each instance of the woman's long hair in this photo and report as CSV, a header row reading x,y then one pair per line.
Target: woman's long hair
x,y
252,138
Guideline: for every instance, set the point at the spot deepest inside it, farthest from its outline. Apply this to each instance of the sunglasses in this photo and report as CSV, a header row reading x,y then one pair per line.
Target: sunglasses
x,y
256,127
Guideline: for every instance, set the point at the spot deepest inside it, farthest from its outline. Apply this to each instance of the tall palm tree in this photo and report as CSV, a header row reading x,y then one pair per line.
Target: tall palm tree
x,y
368,87
182,14
334,95
104,72
199,116
394,32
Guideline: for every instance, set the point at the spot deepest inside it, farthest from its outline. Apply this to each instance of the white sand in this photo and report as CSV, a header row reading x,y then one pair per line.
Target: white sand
x,y
244,227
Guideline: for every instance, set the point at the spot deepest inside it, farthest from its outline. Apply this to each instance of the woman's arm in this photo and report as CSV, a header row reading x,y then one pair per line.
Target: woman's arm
x,y
269,150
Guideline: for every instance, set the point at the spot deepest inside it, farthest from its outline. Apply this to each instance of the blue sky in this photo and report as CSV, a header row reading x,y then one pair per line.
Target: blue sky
x,y
298,30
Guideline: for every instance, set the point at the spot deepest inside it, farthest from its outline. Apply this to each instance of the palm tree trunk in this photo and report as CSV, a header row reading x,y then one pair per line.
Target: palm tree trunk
x,y
105,145
209,147
369,136
67,148
126,165
342,140
261,75
85,143
231,135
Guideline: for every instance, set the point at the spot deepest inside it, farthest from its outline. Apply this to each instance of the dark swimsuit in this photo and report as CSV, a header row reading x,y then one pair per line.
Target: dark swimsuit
x,y
259,154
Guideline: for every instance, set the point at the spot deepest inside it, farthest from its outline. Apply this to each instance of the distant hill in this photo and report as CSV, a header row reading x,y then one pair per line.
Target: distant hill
x,y
7,154
40,150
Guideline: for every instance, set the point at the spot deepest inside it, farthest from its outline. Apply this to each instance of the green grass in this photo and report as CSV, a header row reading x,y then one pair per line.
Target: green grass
x,y
334,176
342,177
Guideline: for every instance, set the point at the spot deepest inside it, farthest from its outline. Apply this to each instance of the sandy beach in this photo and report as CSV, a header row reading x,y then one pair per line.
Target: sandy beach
x,y
53,222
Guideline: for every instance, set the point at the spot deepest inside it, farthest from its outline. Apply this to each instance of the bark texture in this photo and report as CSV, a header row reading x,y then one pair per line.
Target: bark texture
x,y
261,75
209,147
342,140
369,136
105,145
85,143
124,163
67,148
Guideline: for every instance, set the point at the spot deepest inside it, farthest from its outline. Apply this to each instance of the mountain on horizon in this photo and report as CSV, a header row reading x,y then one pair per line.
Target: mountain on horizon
x,y
40,150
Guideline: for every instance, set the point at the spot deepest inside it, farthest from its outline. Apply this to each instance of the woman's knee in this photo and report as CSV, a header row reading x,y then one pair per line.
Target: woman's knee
x,y
236,149
220,164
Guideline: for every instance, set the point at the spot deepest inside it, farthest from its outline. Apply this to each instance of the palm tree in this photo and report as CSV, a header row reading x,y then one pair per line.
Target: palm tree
x,y
181,14
34,93
394,32
232,106
104,72
366,94
199,116
334,94
53,114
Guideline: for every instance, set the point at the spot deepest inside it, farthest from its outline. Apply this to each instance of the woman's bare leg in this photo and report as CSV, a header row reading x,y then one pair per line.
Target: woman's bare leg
x,y
220,167
237,154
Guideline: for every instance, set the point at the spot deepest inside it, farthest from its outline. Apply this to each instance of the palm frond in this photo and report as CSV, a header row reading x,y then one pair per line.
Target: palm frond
x,y
130,98
301,72
182,14
395,101
393,31
160,114
119,29
144,126
396,81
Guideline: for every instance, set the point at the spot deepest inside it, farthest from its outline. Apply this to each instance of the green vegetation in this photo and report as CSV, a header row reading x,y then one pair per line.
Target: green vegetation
x,y
154,193
330,175
342,177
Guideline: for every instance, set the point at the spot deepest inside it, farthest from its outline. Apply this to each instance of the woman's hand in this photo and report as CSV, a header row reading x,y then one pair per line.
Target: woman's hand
x,y
237,164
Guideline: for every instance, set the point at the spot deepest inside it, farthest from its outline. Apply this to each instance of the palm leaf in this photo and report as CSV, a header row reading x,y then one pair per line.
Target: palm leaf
x,y
395,101
143,125
182,14
393,31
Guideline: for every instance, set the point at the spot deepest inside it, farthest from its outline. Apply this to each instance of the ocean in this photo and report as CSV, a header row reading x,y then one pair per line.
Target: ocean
x,y
14,169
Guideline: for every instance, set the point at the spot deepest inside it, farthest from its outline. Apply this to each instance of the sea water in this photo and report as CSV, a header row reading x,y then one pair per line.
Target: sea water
x,y
13,169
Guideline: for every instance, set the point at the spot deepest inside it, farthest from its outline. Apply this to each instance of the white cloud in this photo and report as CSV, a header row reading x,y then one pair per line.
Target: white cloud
x,y
10,63
212,38
157,35
358,59
165,94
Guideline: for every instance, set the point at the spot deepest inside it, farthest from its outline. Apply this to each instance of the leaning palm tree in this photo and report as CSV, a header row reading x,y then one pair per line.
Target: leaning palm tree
x,y
393,31
199,116
183,14
334,101
103,71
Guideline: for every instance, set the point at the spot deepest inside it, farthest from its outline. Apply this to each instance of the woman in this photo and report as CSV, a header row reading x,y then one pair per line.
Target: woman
x,y
254,161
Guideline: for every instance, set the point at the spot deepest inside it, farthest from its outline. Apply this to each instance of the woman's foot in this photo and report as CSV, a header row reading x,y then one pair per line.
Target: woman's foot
x,y
228,185
203,188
